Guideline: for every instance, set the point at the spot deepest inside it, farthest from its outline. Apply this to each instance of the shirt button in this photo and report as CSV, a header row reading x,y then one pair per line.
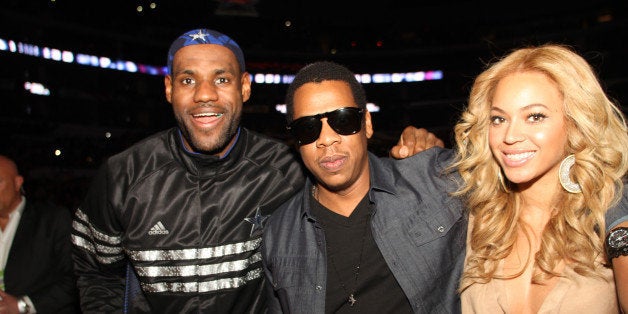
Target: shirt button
x,y
319,287
440,228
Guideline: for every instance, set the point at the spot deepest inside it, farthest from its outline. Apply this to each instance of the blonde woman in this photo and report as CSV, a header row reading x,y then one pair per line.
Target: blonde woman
x,y
543,154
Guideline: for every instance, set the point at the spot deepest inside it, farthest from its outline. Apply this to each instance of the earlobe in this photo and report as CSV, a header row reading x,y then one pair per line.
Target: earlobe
x,y
19,181
246,86
168,88
368,126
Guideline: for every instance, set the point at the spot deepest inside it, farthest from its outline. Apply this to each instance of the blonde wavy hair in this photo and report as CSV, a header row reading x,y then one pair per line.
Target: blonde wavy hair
x,y
597,135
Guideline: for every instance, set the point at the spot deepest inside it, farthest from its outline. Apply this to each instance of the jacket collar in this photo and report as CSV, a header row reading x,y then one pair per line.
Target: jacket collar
x,y
203,164
382,179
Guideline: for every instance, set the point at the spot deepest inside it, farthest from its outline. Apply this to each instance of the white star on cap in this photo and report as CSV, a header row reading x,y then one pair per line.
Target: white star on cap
x,y
198,35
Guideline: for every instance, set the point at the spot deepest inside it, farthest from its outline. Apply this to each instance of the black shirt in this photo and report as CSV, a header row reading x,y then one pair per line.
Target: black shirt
x,y
350,245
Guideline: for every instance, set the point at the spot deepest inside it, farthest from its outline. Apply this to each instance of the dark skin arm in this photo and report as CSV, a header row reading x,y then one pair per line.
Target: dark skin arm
x,y
414,140
8,304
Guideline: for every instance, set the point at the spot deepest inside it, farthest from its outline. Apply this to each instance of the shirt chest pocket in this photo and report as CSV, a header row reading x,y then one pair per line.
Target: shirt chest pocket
x,y
436,235
293,272
435,223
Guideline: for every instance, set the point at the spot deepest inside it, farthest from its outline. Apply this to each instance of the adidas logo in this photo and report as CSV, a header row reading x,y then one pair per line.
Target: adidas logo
x,y
158,228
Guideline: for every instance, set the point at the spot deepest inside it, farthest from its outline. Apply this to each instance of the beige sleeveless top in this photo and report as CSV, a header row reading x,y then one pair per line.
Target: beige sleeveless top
x,y
573,293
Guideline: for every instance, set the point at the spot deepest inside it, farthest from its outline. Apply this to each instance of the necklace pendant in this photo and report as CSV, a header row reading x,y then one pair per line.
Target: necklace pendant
x,y
351,300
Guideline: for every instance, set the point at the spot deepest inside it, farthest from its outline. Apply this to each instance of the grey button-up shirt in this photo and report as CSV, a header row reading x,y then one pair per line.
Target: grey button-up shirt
x,y
418,227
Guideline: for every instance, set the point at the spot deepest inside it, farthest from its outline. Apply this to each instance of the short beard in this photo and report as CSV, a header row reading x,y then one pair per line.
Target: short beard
x,y
215,145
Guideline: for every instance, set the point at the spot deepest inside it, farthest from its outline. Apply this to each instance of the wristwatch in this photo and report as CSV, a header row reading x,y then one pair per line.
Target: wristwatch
x,y
617,243
22,306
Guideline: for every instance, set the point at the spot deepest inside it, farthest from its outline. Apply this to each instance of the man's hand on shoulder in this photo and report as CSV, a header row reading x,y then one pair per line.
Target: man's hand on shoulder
x,y
414,140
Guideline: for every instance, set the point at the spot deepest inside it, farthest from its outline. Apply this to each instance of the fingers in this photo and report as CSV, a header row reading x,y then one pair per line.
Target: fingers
x,y
414,140
399,152
430,141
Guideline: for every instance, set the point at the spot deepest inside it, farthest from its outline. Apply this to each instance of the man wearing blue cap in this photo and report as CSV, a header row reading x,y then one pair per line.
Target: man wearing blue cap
x,y
185,207
174,223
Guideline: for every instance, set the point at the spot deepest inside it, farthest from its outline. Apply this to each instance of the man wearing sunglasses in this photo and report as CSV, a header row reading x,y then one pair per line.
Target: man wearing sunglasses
x,y
365,235
173,224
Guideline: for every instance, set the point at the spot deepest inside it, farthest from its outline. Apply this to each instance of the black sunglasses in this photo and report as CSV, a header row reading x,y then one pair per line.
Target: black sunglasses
x,y
344,121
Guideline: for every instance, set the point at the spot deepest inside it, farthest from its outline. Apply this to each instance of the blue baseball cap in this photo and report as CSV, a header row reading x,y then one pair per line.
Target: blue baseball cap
x,y
204,36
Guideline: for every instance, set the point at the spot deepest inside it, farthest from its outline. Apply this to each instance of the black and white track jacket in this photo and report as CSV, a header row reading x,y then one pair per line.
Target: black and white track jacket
x,y
187,225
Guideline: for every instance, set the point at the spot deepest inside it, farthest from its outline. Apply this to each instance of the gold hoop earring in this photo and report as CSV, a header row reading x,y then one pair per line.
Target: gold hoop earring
x,y
563,175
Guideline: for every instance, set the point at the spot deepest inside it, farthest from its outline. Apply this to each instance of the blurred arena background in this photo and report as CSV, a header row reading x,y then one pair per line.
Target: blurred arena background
x,y
81,81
